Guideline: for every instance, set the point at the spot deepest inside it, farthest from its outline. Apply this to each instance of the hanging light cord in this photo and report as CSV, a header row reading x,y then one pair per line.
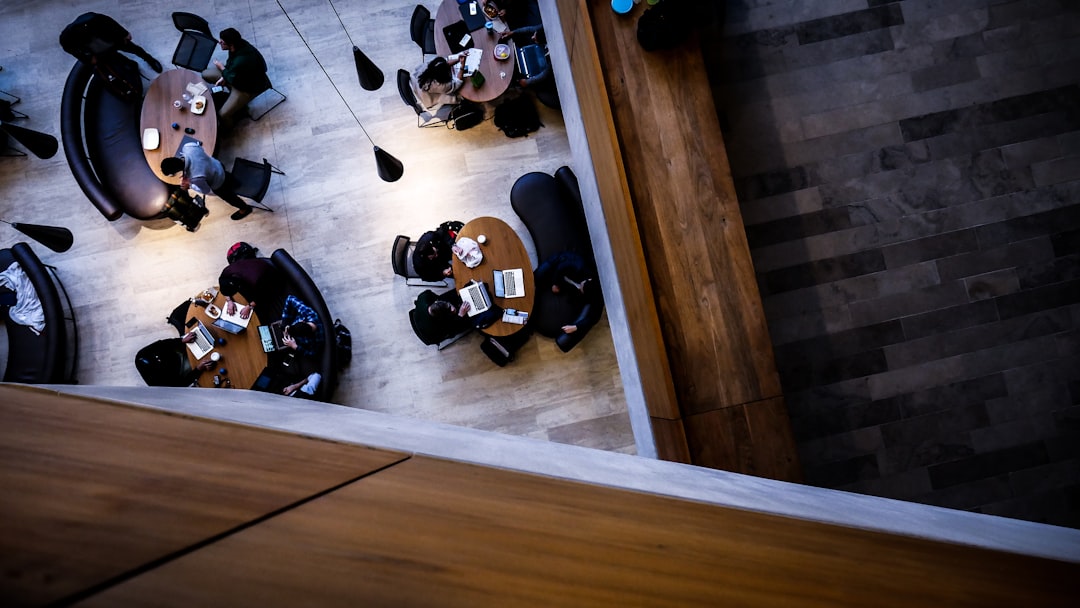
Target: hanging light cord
x,y
321,67
340,21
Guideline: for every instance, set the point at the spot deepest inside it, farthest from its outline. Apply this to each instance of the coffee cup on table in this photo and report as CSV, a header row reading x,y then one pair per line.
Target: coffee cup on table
x,y
481,239
489,26
215,357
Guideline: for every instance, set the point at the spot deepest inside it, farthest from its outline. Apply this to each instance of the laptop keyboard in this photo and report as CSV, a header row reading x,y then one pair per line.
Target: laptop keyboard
x,y
202,341
510,283
476,298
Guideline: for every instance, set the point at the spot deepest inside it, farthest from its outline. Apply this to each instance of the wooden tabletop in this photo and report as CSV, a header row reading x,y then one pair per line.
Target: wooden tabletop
x,y
495,83
158,113
502,251
242,355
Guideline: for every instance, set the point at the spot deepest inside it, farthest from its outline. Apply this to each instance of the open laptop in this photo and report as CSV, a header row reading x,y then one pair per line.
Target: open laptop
x,y
509,283
476,294
473,14
233,323
204,340
531,60
272,336
455,33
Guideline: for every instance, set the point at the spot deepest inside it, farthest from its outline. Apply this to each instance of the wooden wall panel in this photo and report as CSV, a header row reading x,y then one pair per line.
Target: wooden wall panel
x,y
93,490
754,439
433,533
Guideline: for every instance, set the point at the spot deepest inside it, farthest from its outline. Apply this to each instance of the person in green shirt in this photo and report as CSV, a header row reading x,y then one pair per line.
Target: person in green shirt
x,y
243,74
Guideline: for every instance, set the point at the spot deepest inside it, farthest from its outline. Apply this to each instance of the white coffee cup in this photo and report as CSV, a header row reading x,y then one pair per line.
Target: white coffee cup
x,y
215,357
481,239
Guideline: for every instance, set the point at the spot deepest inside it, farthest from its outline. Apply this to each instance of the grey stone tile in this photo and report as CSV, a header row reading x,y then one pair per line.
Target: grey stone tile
x,y
995,258
1045,478
1046,272
780,206
856,45
842,472
1056,507
950,318
843,446
968,365
1056,171
798,374
1040,298
1023,154
1012,433
1025,382
992,284
946,74
969,495
840,144
956,394
845,291
1053,221
953,421
824,400
904,485
925,451
838,344
808,323
988,464
1005,63
930,248
914,302
820,271
836,26
1069,142
797,227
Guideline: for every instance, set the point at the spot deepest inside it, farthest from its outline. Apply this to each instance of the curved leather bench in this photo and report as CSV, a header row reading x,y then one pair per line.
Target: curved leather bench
x,y
299,284
103,147
33,358
551,209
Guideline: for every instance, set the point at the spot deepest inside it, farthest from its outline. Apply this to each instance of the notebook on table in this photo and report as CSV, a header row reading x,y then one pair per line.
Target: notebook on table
x,y
473,14
509,283
183,142
272,336
233,323
203,342
476,294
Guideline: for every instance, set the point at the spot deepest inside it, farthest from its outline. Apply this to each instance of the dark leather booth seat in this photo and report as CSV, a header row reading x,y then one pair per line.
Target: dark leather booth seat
x,y
299,284
103,146
33,358
551,209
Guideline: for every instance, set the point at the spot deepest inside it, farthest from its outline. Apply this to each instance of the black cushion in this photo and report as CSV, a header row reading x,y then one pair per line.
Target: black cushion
x,y
33,358
300,285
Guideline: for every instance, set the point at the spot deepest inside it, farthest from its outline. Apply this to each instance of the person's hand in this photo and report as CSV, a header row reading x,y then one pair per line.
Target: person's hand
x,y
292,388
554,289
569,329
245,312
219,66
185,182
188,337
289,341
205,365
463,309
507,34
522,82
230,306
220,81
448,272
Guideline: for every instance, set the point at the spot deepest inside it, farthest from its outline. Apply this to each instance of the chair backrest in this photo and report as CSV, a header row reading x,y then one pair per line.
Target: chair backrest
x,y
418,25
426,339
252,178
401,257
164,363
192,22
194,50
404,86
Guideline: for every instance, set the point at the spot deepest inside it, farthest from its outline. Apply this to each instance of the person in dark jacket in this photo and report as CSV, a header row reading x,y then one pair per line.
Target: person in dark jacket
x,y
567,274
254,278
432,256
94,37
438,317
243,73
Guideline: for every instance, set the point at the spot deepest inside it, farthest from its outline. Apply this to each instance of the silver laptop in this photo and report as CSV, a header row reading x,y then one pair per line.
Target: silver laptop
x,y
476,295
272,337
509,283
203,342
233,323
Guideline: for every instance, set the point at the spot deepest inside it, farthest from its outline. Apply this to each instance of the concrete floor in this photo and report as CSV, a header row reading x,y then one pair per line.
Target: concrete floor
x,y
909,174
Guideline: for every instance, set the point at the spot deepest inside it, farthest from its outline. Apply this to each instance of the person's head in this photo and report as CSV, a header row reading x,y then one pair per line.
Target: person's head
x,y
430,250
301,329
171,165
229,39
438,70
241,251
441,309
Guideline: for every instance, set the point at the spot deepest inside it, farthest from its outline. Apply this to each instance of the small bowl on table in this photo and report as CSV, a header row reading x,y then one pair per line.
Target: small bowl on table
x,y
502,52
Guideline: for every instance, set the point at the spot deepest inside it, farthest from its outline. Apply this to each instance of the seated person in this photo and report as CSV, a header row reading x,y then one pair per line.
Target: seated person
x,y
243,73
437,83
206,175
93,36
302,331
518,13
432,257
253,277
164,363
524,36
441,316
567,274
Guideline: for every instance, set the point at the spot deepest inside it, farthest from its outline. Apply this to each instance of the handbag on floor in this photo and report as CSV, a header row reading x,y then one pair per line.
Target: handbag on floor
x,y
465,115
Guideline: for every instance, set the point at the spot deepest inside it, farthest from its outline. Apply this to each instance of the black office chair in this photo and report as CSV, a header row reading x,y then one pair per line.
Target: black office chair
x,y
165,363
422,30
440,341
253,179
401,258
197,43
423,117
264,99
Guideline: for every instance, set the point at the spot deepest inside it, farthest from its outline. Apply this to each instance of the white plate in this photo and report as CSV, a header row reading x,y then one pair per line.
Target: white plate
x,y
151,139
195,101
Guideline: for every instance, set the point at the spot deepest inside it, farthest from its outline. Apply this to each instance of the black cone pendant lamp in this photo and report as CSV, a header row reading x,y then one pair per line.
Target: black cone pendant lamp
x,y
371,77
54,237
390,168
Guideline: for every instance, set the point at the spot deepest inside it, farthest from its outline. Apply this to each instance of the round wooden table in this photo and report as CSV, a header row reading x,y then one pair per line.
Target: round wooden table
x,y
502,251
495,83
242,355
158,113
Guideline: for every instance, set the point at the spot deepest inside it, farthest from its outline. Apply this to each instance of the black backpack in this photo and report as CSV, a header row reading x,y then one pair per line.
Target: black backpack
x,y
465,115
517,117
343,341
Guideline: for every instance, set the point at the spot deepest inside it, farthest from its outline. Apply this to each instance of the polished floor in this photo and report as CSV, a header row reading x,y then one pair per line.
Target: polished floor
x,y
332,212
